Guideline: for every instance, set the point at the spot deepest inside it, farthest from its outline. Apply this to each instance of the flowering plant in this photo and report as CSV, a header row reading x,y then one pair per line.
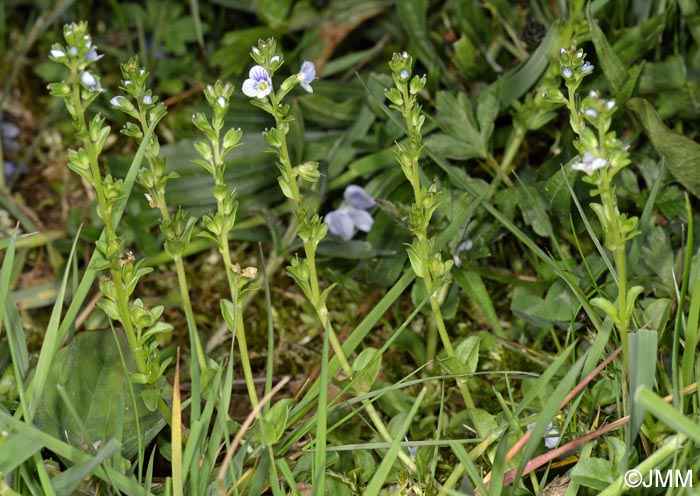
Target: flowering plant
x,y
602,157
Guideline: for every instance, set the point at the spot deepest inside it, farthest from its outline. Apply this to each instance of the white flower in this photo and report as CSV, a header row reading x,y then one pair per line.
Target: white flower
x,y
307,75
259,84
147,100
57,54
465,245
589,163
566,72
116,101
88,80
221,101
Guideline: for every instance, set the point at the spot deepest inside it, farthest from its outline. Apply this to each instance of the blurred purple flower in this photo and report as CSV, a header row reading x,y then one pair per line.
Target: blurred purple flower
x,y
10,132
10,169
357,197
10,145
351,216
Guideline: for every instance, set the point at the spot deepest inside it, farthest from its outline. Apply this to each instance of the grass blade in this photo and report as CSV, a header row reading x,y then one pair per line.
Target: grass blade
x,y
384,468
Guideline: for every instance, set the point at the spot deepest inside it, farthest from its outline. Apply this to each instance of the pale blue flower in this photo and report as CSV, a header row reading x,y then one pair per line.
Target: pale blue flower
x,y
589,163
90,81
552,436
259,84
566,72
92,55
57,54
351,216
307,75
587,67
357,197
147,100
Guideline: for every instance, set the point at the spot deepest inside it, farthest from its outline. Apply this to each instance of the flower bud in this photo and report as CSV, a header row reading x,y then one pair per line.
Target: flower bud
x,y
417,84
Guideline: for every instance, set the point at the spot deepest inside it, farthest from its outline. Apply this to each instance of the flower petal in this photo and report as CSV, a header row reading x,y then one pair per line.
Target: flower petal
x,y
340,224
258,73
88,79
361,219
9,130
250,88
357,197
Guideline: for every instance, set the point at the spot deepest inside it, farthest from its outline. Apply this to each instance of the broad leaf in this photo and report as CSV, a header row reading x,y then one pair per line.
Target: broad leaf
x,y
86,397
681,155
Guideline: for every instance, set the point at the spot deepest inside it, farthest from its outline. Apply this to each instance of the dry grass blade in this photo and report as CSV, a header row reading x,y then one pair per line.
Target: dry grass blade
x,y
241,432
579,387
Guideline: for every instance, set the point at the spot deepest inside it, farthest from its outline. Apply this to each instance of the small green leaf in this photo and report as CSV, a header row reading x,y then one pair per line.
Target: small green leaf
x,y
228,310
468,352
275,421
596,473
365,369
608,307
486,113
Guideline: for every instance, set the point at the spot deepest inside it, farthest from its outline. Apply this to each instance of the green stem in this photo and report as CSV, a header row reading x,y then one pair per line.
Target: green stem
x,y
575,119
284,156
233,288
189,313
422,237
444,336
617,246
245,359
123,304
512,147
122,299
321,310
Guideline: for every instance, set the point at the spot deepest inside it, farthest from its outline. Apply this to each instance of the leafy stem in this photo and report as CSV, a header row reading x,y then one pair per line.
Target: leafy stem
x,y
427,267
